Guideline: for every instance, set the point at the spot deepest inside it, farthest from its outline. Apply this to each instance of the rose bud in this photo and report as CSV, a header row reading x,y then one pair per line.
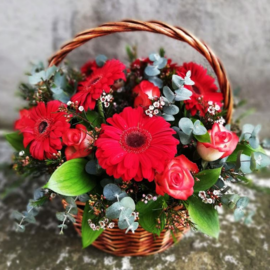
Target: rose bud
x,y
146,92
223,143
78,142
176,180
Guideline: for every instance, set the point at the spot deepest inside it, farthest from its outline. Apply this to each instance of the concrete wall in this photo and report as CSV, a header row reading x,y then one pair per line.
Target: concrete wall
x,y
238,31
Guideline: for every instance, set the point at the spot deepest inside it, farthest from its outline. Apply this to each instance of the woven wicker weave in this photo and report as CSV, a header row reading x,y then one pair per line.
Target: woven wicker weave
x,y
143,243
117,242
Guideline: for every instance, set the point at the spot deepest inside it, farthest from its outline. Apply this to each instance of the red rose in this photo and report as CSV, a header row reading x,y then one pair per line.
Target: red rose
x,y
146,92
177,180
223,142
79,142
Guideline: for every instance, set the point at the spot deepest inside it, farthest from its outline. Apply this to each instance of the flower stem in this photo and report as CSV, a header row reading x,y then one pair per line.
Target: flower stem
x,y
100,110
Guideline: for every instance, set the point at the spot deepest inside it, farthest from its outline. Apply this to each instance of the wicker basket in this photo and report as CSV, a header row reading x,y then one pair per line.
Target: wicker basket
x,y
142,243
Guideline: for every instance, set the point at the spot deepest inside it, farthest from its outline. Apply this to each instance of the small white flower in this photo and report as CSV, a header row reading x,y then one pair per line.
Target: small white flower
x,y
21,153
81,108
111,225
69,103
93,226
162,103
156,104
156,111
151,107
202,194
216,192
102,99
217,107
209,200
154,198
210,102
107,104
211,110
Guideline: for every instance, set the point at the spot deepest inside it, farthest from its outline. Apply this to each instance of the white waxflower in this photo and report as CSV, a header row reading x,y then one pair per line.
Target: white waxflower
x,y
156,104
69,103
81,108
202,194
151,107
21,153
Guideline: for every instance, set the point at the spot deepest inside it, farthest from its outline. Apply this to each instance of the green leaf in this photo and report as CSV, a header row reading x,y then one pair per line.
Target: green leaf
x,y
246,149
150,212
94,118
88,235
203,138
204,216
208,178
15,139
71,179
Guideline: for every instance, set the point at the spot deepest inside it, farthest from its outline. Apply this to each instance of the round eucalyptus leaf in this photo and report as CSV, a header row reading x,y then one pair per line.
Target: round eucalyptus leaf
x,y
133,227
114,210
111,192
177,81
160,63
168,117
151,70
186,125
154,57
168,93
183,94
254,142
101,60
184,138
156,81
38,193
83,198
60,216
128,202
242,202
91,167
17,215
238,214
199,129
171,110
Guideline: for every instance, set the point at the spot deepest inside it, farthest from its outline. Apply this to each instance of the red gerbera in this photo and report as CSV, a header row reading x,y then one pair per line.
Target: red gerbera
x,y
42,128
89,67
203,90
101,79
135,145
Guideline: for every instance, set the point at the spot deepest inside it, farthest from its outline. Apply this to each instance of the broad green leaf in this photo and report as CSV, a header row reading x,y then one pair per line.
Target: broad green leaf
x,y
203,138
247,150
204,216
150,212
88,235
16,141
71,179
94,118
208,178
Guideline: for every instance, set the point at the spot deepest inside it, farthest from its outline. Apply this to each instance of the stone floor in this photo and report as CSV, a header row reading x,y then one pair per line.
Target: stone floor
x,y
41,247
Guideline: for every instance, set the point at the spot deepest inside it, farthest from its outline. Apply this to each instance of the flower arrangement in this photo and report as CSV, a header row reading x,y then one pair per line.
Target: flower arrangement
x,y
140,145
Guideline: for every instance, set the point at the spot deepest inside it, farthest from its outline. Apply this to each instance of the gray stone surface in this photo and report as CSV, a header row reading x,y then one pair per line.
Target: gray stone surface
x,y
41,247
238,31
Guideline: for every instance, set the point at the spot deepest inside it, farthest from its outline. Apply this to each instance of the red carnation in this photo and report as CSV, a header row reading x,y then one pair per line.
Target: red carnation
x,y
42,127
203,90
146,92
79,142
101,79
134,145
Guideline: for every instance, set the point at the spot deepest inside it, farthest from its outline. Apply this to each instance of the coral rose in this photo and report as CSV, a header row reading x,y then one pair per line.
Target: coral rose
x,y
223,142
146,92
176,180
79,142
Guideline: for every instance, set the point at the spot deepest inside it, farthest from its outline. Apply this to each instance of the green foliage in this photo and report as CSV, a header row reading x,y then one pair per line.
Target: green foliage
x,y
131,52
208,178
88,235
204,216
71,179
15,139
150,212
94,118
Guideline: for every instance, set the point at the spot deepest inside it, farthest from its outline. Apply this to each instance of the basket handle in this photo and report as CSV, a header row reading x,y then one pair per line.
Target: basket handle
x,y
160,28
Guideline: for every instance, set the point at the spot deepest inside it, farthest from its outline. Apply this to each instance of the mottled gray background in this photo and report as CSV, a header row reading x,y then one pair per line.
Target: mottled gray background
x,y
238,31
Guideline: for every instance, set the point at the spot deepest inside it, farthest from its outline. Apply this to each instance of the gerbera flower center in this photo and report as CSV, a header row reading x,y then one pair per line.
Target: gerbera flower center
x,y
94,80
196,89
42,127
135,140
